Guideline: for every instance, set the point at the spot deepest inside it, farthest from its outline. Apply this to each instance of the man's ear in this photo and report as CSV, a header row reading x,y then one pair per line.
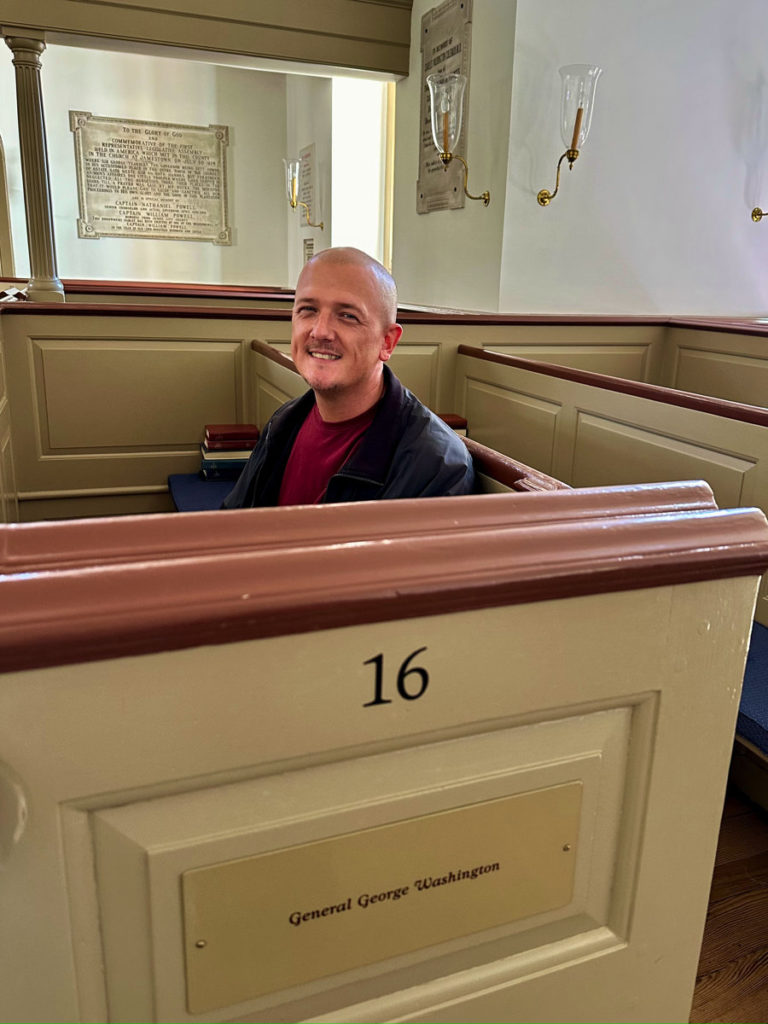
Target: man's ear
x,y
391,338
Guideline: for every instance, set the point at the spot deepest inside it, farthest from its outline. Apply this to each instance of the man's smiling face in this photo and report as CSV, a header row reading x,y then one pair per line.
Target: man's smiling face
x,y
340,336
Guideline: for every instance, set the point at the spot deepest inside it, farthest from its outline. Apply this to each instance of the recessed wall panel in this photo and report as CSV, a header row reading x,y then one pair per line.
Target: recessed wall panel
x,y
726,375
627,361
483,839
512,422
269,398
132,392
417,366
611,452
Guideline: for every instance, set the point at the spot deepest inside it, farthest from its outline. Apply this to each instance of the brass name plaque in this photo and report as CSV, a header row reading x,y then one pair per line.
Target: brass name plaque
x,y
266,923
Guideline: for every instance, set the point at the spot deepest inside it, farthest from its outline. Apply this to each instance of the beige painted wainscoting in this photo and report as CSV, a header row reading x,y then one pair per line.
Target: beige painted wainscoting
x,y
167,710
103,402
104,407
588,435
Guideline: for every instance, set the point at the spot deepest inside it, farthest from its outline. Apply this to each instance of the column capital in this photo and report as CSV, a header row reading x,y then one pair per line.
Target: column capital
x,y
26,49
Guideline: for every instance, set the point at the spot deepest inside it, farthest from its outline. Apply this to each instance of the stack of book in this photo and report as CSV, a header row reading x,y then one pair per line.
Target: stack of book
x,y
226,448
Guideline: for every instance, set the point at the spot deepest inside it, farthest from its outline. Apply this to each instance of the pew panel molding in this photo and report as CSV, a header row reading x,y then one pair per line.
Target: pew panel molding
x,y
104,407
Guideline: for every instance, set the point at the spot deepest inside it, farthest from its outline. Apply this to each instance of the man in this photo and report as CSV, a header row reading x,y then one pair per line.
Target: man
x,y
358,434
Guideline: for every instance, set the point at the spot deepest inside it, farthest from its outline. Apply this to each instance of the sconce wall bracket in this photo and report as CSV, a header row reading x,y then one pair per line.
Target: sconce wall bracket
x,y
485,197
298,202
545,197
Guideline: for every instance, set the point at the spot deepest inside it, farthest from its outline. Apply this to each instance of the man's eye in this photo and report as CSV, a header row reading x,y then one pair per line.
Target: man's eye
x,y
349,316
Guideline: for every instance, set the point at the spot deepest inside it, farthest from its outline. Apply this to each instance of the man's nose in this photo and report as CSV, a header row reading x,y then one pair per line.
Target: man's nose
x,y
322,326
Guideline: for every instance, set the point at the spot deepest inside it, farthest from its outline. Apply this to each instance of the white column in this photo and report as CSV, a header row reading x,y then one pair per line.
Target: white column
x,y
44,284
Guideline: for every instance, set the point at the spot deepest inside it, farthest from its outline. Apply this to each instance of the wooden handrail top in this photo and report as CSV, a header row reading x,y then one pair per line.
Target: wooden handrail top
x,y
89,614
71,543
653,392
405,315
269,352
509,471
71,309
80,286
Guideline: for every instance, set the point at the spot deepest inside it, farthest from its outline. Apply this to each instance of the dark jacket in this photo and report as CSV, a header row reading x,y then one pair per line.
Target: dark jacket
x,y
407,452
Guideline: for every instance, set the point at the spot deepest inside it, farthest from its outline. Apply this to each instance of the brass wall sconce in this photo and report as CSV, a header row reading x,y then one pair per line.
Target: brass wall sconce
x,y
758,214
292,165
576,106
446,93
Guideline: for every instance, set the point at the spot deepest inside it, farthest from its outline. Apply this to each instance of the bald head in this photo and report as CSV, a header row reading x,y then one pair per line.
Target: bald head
x,y
381,279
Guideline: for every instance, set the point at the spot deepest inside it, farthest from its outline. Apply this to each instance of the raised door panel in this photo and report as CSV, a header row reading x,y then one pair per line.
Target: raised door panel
x,y
513,422
609,451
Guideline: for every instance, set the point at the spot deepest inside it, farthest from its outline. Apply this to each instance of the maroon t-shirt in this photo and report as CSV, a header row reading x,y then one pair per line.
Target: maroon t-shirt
x,y
319,451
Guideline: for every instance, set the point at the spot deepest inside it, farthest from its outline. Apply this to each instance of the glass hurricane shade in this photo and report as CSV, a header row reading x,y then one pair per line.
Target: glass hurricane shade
x,y
291,165
446,93
579,82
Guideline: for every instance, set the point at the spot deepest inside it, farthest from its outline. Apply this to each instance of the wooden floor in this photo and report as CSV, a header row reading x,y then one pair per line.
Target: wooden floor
x,y
732,981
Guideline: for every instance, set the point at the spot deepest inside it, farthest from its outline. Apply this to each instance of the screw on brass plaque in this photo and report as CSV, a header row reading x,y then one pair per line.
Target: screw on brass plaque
x,y
566,848
201,944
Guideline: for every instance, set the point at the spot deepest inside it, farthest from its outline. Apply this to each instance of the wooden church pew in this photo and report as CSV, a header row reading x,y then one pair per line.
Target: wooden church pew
x,y
275,380
588,429
221,760
72,445
594,429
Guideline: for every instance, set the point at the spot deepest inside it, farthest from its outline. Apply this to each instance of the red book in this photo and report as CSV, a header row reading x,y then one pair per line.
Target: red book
x,y
231,432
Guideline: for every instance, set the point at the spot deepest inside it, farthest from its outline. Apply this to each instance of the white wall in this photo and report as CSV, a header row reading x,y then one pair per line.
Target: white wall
x,y
130,86
453,257
654,217
309,117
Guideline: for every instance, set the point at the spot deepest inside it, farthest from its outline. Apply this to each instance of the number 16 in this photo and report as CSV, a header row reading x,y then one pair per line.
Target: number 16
x,y
402,673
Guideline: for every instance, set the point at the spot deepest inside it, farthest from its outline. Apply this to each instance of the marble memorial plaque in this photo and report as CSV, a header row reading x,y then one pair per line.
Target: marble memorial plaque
x,y
446,42
148,179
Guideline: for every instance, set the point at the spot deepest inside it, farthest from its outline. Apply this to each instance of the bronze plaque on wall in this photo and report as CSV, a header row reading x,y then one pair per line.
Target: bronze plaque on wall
x,y
150,179
265,923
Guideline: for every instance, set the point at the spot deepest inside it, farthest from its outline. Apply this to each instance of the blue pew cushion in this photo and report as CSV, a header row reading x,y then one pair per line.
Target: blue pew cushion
x,y
752,722
191,492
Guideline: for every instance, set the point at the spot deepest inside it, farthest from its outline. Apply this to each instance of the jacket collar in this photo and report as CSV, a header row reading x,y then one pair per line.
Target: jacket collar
x,y
372,458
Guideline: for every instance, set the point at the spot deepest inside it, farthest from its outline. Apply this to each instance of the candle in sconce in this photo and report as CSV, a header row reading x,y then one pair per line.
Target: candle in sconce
x,y
445,132
577,127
